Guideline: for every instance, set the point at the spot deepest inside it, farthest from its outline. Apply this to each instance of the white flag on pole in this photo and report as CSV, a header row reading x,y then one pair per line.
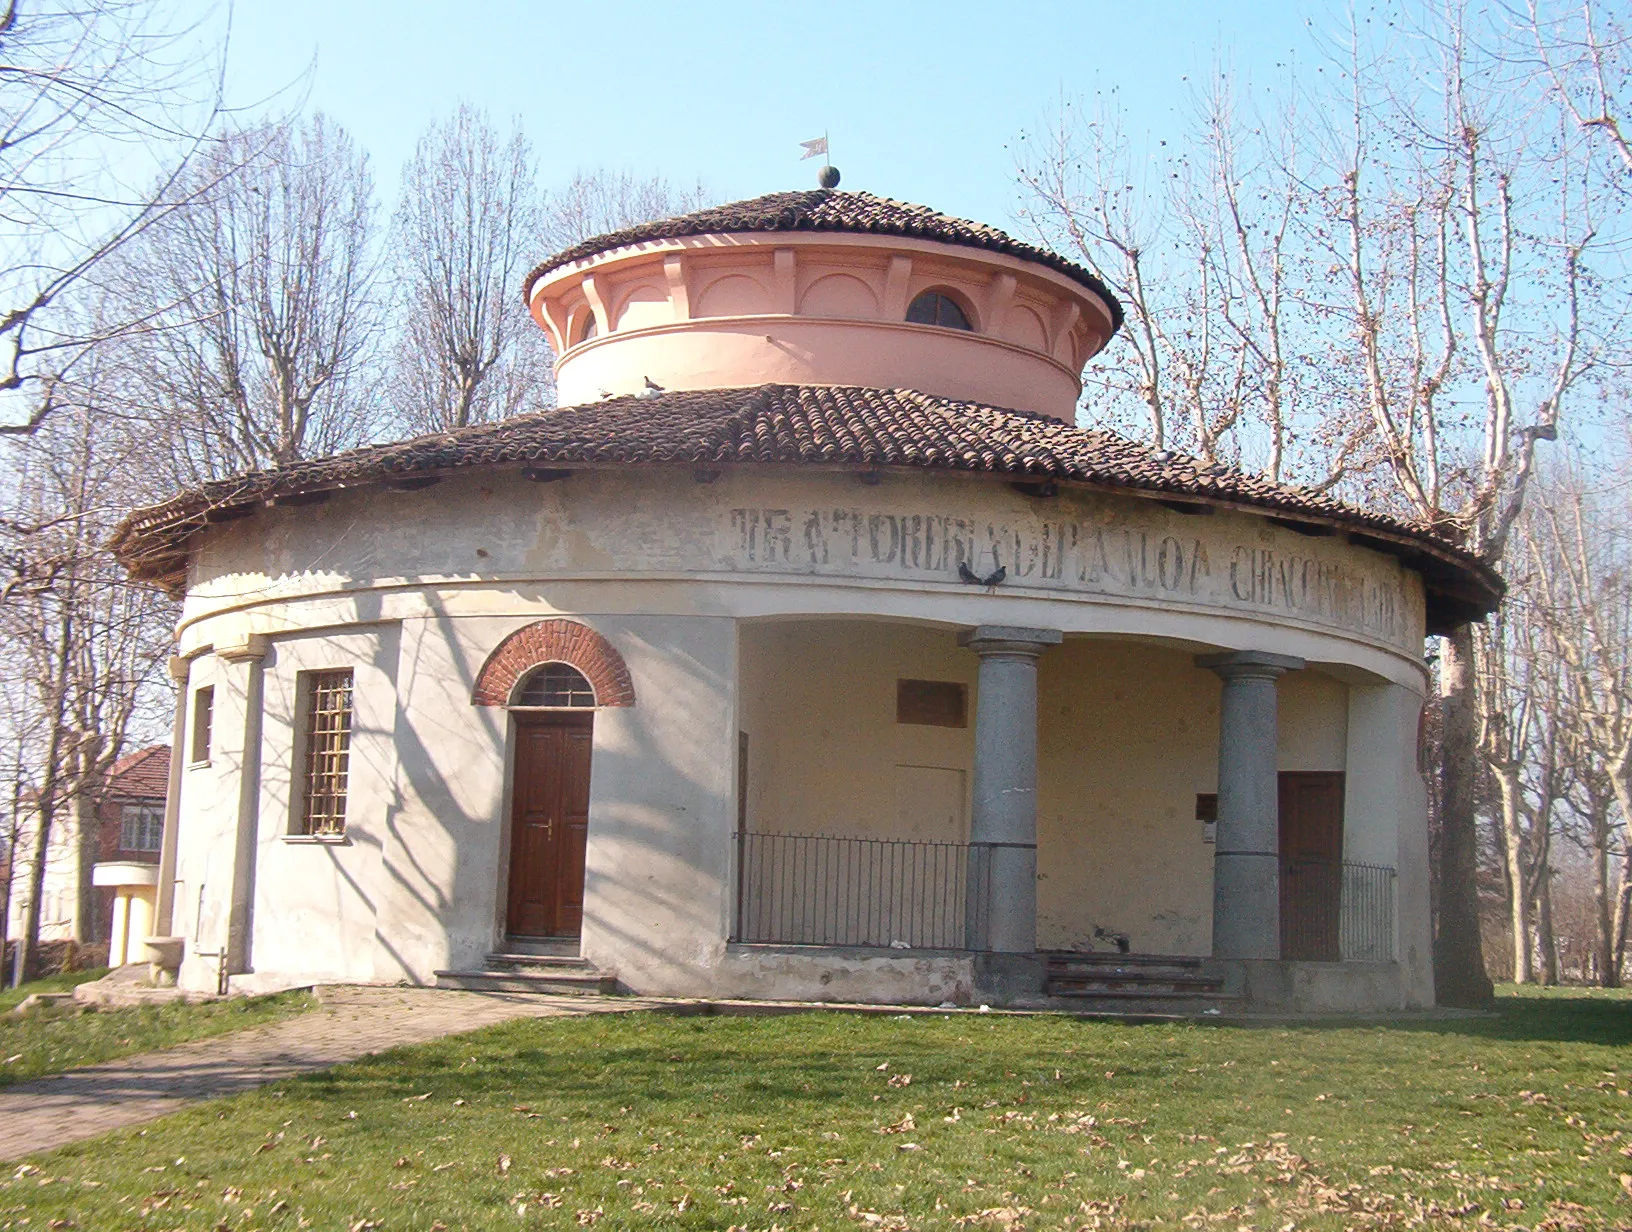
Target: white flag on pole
x,y
813,148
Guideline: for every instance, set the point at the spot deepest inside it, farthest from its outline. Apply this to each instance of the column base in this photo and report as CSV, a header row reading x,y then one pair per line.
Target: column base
x,y
1007,979
1312,987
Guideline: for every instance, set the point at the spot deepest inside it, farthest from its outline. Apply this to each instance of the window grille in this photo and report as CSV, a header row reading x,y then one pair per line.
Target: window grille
x,y
328,752
141,827
936,308
555,684
203,720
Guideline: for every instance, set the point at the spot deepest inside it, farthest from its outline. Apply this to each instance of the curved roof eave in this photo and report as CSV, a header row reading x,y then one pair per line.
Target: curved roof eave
x,y
849,428
832,211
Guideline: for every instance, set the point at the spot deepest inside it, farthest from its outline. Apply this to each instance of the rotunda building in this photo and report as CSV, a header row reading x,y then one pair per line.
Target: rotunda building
x,y
806,651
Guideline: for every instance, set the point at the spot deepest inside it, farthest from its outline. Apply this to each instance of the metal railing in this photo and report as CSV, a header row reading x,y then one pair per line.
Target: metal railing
x,y
823,889
818,889
1334,912
1366,931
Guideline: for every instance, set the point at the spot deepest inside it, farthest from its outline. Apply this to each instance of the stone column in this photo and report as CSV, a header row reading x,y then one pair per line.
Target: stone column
x,y
1246,859
245,677
1002,897
180,738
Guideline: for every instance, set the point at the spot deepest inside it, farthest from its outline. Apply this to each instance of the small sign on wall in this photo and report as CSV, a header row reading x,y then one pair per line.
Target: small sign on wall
x,y
1207,814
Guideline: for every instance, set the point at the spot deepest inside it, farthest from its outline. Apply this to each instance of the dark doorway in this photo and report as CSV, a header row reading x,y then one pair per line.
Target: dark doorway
x,y
1311,824
549,824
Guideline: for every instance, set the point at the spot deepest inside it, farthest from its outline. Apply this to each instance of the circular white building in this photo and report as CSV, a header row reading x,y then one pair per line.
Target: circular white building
x,y
806,651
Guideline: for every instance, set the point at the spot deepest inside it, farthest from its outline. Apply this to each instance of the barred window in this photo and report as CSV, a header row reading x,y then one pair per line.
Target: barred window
x,y
141,827
555,684
328,752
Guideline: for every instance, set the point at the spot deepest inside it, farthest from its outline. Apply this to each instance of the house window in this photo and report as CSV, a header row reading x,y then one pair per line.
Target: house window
x,y
203,721
555,685
327,738
141,827
938,308
932,703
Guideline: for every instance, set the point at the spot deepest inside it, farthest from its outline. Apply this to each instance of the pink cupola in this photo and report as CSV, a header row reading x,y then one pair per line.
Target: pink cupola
x,y
822,288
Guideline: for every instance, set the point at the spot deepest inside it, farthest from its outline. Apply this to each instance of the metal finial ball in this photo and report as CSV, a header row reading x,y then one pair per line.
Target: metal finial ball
x,y
828,177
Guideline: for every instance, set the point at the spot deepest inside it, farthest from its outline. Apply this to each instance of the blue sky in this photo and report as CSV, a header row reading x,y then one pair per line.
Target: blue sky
x,y
922,101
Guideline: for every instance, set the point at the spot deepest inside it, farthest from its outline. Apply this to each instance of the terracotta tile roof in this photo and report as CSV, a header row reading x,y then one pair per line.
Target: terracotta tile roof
x,y
142,775
838,426
826,209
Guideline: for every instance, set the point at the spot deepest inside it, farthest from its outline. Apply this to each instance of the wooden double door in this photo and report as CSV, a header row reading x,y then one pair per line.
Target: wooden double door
x,y
549,824
1311,845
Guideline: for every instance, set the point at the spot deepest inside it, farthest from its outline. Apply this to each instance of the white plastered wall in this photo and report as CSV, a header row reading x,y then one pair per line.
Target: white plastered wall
x,y
663,777
316,902
824,749
206,821
663,804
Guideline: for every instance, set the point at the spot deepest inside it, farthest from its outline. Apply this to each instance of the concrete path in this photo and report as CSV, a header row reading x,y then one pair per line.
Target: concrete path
x,y
350,1023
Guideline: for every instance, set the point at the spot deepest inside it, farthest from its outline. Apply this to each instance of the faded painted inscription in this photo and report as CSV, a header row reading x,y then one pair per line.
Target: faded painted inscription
x,y
1073,555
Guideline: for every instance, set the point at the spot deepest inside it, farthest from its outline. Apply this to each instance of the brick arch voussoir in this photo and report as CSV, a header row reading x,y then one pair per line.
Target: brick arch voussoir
x,y
554,641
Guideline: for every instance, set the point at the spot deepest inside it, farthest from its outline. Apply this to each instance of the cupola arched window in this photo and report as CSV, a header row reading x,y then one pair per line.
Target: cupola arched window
x,y
938,308
589,329
554,685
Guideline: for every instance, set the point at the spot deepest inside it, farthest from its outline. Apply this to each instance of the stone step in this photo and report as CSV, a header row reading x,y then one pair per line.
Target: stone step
x,y
1072,958
1143,983
555,947
513,960
584,981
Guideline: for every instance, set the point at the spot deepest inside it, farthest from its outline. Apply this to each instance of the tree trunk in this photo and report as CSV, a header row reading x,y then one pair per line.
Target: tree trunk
x,y
82,821
1603,932
1544,929
1507,779
29,940
1623,908
1459,961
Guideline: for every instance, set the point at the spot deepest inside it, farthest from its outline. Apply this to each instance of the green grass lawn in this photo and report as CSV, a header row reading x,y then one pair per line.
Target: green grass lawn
x,y
11,997
51,1041
845,1121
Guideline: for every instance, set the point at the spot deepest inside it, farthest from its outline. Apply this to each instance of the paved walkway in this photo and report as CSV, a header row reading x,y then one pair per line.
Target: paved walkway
x,y
350,1023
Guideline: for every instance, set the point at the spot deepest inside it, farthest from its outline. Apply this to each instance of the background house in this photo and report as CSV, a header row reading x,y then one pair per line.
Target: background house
x,y
130,821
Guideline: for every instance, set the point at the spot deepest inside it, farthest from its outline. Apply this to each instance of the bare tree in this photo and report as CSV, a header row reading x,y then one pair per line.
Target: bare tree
x,y
1525,737
1587,593
90,92
1220,352
1460,224
596,202
1419,232
467,222
1587,60
84,649
263,316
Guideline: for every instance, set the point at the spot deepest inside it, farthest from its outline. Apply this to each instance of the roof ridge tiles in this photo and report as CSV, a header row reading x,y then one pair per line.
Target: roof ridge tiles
x,y
786,425
830,210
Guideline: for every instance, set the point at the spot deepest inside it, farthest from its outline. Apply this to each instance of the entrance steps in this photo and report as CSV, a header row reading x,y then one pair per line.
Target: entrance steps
x,y
547,965
1173,984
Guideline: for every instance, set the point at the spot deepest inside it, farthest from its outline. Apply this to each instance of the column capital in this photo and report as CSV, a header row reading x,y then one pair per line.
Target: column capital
x,y
1009,640
1249,664
251,650
179,668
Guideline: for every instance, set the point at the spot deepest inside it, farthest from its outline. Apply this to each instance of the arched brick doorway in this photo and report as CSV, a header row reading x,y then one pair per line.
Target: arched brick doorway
x,y
552,675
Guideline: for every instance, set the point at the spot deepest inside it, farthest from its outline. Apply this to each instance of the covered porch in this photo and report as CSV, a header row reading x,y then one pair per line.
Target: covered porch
x,y
1047,809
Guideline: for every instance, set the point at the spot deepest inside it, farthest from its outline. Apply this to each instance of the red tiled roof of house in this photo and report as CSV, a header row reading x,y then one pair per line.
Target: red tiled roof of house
x,y
826,209
827,426
142,775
